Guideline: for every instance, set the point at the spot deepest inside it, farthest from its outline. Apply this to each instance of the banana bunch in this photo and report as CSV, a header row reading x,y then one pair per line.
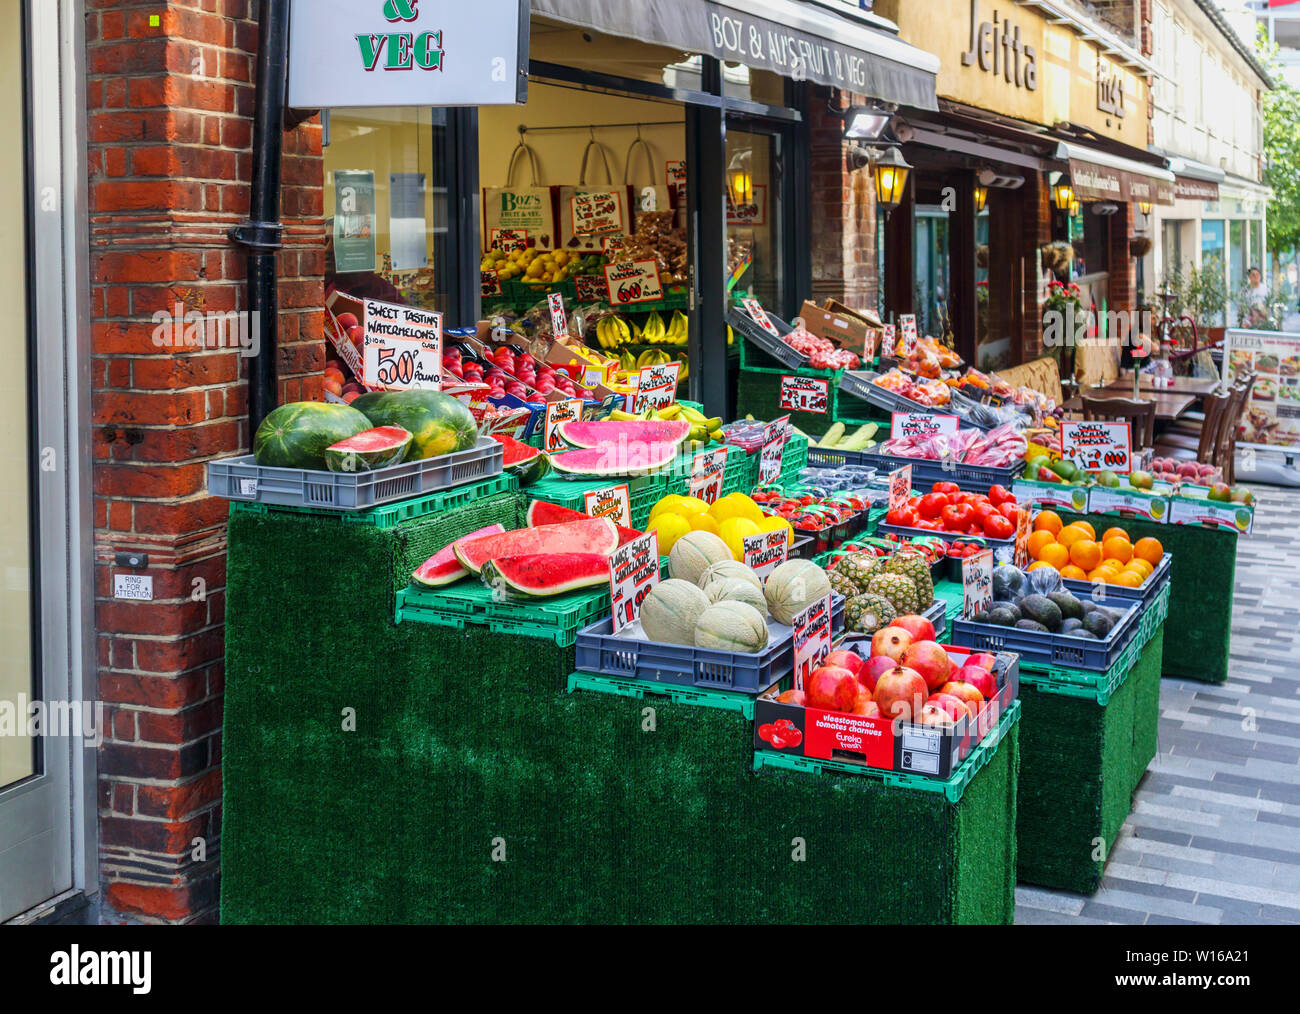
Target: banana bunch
x,y
612,331
836,437
685,371
678,329
653,357
654,330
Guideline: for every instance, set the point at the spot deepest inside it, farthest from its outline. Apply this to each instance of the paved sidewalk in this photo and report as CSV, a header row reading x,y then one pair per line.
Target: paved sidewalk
x,y
1214,836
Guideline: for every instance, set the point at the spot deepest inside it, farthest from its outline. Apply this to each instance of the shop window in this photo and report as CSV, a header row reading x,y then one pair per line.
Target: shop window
x,y
930,281
1237,253
754,262
1213,254
386,202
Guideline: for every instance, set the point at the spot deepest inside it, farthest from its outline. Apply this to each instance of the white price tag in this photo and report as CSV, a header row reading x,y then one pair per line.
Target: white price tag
x,y
559,412
812,639
766,551
1098,446
804,394
977,583
756,312
775,436
402,347
656,387
633,573
559,322
900,487
613,502
921,424
708,469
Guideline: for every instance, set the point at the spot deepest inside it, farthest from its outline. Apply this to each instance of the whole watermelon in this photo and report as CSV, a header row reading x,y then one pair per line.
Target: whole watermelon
x,y
440,424
296,435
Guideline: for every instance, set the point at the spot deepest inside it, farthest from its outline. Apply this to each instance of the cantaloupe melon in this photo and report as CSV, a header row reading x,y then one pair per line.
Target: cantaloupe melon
x,y
793,587
736,589
694,553
671,610
730,569
732,626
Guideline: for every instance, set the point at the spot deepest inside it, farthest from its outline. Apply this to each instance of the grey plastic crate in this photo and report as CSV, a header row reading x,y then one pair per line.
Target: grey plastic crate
x,y
1050,649
859,384
749,330
926,472
244,479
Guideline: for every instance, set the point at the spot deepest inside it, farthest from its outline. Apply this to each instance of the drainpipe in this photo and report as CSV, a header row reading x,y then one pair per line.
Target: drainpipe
x,y
262,234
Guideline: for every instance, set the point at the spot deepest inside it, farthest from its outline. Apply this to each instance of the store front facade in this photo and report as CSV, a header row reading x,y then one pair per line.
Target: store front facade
x,y
1032,172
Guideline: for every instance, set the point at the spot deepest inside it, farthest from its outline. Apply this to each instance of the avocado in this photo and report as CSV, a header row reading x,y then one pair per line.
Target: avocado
x,y
1070,625
1032,625
1004,616
1082,632
1042,610
1098,624
1071,608
1008,582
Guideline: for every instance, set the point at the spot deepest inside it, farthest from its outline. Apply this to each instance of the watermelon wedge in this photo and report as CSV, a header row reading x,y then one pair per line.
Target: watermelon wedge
x,y
538,575
525,463
542,513
626,458
597,536
633,431
370,450
443,567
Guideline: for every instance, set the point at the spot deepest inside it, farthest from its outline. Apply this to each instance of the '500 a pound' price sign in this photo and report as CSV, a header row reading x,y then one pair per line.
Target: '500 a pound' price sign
x,y
633,573
402,348
633,282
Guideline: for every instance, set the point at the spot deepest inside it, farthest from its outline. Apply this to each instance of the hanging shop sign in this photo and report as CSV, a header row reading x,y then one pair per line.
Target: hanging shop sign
x,y
1187,189
407,53
1094,182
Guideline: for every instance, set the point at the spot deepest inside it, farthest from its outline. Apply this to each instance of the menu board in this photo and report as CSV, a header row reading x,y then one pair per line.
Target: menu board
x,y
1272,416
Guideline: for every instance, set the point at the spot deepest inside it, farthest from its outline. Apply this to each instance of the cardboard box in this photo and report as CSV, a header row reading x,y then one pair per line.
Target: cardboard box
x,y
879,742
839,329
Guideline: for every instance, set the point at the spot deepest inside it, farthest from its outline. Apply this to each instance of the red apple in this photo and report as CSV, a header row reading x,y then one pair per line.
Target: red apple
x,y
972,698
982,680
919,627
849,660
891,641
347,321
900,693
873,669
831,689
930,660
792,697
982,659
955,706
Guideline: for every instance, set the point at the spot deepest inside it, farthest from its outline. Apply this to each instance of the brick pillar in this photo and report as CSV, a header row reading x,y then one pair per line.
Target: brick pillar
x,y
1121,286
843,215
1037,231
169,112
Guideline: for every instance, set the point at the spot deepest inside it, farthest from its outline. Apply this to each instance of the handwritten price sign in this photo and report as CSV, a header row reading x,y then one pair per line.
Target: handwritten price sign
x,y
490,283
656,387
708,469
759,316
402,349
812,639
558,412
775,436
509,240
591,288
633,282
977,583
1098,446
907,325
1023,529
633,574
921,424
613,502
900,487
559,322
595,214
766,551
887,341
804,394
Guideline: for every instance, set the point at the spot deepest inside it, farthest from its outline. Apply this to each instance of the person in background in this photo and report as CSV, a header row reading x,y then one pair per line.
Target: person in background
x,y
360,284
1256,299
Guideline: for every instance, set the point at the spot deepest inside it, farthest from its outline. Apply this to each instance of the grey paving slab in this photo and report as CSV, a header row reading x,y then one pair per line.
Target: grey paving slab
x,y
1214,835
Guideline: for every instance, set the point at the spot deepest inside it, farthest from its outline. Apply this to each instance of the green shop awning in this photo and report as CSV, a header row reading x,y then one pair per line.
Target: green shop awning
x,y
792,39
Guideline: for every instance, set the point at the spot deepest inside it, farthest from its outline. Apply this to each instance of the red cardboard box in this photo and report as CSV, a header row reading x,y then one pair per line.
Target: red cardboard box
x,y
905,747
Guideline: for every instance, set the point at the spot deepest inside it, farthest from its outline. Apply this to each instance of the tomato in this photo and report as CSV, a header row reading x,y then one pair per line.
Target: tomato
x,y
904,517
1010,512
983,510
972,499
998,527
957,518
932,505
927,525
1000,495
945,487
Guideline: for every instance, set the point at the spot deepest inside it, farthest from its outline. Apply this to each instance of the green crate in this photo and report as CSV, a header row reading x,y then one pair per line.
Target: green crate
x,y
1156,613
725,700
739,476
952,789
758,393
393,514
643,493
472,603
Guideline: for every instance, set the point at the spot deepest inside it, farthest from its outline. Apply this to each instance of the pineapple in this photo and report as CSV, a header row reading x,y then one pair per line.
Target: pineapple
x,y
899,590
858,568
914,567
867,613
841,584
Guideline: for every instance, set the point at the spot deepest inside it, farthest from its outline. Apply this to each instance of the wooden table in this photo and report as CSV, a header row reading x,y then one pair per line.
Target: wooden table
x,y
1196,386
1169,404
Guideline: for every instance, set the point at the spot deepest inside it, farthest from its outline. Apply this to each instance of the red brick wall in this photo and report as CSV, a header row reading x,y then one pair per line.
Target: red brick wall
x,y
1121,293
1037,219
843,240
169,166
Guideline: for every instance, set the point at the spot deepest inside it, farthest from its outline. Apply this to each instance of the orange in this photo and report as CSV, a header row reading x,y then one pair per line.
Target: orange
x,y
1038,541
1128,579
1071,534
1102,576
1149,549
1114,566
1048,521
1053,553
1116,548
1073,573
1140,565
1086,554
1038,564
1092,532
1115,533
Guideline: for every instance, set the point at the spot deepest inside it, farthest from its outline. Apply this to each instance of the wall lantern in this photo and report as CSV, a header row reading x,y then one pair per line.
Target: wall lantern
x,y
891,171
981,197
1145,207
1076,209
740,181
1063,195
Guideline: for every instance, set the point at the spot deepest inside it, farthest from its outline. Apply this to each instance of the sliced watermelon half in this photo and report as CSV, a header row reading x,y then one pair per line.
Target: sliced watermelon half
x,y
594,433
539,575
625,458
542,513
597,536
442,567
525,463
370,450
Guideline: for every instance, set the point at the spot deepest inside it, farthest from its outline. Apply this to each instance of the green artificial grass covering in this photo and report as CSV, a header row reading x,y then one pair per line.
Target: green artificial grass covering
x,y
464,743
1202,579
1081,762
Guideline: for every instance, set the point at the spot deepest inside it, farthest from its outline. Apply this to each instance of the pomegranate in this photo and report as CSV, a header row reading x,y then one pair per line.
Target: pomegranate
x,y
849,660
874,668
954,706
930,660
981,679
891,641
919,627
900,693
831,689
972,698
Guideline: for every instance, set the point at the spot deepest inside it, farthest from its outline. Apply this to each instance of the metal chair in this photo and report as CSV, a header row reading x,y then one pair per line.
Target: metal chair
x,y
1139,414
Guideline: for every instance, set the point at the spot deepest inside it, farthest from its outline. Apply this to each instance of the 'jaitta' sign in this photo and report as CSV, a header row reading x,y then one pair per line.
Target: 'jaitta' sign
x,y
407,53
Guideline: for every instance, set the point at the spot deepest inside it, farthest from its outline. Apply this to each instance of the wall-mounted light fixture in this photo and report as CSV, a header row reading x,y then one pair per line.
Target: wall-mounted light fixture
x,y
1063,195
866,123
981,197
891,171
